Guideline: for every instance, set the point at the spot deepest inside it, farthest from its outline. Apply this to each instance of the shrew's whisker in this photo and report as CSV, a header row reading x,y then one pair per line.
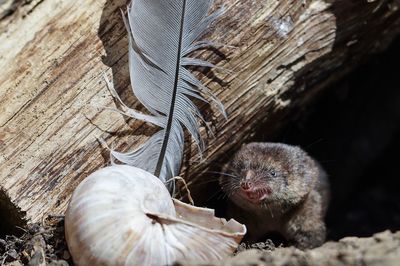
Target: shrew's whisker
x,y
222,173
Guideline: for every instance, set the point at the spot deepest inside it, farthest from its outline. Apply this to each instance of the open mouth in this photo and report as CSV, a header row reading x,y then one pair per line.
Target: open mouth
x,y
257,195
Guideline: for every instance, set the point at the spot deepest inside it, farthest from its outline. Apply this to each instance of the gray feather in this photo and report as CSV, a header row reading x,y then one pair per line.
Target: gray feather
x,y
162,35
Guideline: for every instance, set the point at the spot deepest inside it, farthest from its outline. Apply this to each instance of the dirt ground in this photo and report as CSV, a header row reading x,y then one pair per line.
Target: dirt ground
x,y
39,245
381,249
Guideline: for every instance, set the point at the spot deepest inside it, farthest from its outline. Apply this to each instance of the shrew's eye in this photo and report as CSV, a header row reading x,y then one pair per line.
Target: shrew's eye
x,y
273,173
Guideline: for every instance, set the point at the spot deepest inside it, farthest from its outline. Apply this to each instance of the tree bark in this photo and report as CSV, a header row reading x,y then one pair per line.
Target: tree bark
x,y
53,55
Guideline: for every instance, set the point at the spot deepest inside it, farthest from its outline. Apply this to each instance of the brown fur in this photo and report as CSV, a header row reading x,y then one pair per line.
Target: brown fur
x,y
278,188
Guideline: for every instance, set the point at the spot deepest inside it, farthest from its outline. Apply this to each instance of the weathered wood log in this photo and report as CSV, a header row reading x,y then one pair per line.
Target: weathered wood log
x,y
53,55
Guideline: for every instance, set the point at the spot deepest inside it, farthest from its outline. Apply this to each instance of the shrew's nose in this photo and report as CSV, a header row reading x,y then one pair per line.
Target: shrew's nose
x,y
245,185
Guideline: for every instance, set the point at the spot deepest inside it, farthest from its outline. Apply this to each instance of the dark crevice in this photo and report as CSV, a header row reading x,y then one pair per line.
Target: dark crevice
x,y
354,131
11,217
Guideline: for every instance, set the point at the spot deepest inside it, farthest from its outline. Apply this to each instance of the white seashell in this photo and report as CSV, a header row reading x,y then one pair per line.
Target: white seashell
x,y
123,215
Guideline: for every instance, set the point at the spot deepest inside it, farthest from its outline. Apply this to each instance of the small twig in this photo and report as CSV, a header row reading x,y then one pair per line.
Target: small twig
x,y
21,228
186,187
44,219
44,232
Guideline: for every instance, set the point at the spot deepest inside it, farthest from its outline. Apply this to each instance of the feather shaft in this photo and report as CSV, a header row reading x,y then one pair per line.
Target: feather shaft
x,y
175,88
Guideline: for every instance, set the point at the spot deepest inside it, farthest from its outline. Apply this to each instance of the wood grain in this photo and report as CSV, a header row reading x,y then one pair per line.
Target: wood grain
x,y
53,55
